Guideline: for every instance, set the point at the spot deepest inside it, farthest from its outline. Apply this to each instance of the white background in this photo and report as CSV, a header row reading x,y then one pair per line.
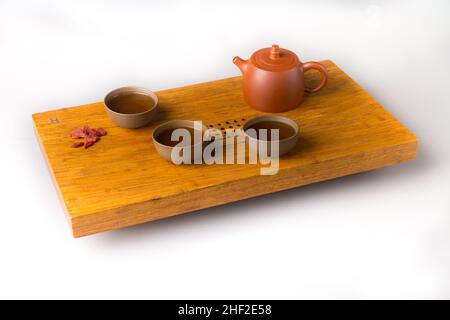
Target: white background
x,y
383,234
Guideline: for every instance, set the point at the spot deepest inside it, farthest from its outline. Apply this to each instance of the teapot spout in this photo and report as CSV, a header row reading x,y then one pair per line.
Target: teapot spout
x,y
241,64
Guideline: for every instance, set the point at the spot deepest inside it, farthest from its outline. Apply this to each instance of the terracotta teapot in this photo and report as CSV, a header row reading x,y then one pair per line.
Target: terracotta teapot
x,y
273,79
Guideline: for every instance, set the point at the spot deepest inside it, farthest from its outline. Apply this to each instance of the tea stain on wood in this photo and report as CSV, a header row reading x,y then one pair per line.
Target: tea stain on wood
x,y
122,181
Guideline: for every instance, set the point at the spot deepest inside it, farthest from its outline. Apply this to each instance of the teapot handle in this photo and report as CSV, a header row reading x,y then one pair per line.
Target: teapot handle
x,y
323,71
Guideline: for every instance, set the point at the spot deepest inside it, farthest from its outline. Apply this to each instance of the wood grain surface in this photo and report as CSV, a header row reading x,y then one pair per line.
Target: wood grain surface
x,y
122,181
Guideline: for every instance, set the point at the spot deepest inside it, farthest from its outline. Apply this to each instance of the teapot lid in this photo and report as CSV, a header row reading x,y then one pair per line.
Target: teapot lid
x,y
274,59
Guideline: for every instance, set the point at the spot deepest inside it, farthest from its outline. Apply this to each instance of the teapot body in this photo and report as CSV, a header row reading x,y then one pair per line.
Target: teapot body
x,y
273,79
273,92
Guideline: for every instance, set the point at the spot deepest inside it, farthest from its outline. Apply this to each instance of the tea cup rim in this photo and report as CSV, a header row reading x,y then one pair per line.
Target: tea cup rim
x,y
286,120
131,89
168,123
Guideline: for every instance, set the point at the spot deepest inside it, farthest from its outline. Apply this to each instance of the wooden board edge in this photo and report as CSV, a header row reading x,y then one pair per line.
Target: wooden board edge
x,y
49,167
157,209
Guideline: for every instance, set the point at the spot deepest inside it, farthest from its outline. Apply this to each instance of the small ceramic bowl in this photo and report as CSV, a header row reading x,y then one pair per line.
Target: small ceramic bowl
x,y
130,120
165,151
285,145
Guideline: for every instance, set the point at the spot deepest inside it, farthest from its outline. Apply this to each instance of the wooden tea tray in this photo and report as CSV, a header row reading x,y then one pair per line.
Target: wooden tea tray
x,y
122,181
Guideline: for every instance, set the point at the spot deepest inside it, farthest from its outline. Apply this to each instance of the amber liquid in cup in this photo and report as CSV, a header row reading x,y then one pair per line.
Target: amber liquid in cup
x,y
130,103
284,130
165,137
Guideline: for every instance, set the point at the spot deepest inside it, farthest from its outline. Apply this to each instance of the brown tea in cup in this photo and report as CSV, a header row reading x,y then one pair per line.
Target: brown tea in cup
x,y
162,139
259,132
131,102
284,130
165,137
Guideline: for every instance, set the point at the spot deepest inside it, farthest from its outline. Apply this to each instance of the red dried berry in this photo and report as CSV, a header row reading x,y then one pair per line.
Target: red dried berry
x,y
77,144
87,130
77,133
100,132
90,135
88,143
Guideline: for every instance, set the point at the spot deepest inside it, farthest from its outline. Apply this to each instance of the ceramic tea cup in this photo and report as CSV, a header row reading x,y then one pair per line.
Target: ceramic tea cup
x,y
162,135
288,131
131,107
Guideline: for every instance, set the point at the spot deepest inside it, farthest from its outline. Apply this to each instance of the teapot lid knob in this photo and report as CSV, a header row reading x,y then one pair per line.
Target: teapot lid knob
x,y
275,52
274,58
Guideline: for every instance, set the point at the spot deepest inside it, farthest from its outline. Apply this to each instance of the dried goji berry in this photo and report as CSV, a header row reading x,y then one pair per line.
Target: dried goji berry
x,y
77,144
77,133
90,136
87,130
100,132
